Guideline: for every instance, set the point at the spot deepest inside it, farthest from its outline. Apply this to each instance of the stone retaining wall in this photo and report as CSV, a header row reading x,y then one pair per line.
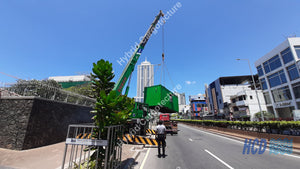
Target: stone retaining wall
x,y
29,122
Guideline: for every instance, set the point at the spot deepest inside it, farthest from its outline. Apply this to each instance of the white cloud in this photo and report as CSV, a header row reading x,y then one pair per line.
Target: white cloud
x,y
190,82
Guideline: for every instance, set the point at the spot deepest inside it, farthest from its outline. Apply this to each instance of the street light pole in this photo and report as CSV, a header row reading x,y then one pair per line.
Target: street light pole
x,y
262,116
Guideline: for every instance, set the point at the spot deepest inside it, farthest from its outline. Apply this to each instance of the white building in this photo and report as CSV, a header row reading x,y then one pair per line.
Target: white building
x,y
145,78
279,74
245,104
186,109
181,101
75,78
220,92
69,81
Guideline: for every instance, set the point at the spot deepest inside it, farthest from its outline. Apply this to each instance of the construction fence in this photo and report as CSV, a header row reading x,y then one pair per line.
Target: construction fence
x,y
85,149
44,90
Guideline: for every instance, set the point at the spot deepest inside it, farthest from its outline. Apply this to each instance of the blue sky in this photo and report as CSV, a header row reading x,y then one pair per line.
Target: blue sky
x,y
39,39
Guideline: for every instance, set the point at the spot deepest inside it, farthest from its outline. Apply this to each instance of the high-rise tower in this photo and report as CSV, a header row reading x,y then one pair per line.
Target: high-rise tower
x,y
145,78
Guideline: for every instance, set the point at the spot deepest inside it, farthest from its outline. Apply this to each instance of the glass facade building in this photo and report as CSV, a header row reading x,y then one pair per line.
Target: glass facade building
x,y
279,75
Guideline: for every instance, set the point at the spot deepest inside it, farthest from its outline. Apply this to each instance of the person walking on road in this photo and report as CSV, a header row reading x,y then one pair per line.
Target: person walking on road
x,y
161,138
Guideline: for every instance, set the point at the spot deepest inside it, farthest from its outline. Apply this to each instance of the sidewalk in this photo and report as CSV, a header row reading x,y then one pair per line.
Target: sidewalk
x,y
50,157
296,146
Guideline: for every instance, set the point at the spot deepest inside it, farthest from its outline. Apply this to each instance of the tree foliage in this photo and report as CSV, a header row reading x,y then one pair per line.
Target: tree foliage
x,y
110,109
102,76
84,89
265,114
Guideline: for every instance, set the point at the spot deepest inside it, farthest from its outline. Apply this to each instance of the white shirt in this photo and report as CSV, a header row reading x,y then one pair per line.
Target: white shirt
x,y
160,129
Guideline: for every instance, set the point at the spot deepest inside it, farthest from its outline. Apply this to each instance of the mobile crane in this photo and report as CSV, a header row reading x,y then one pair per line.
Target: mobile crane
x,y
140,110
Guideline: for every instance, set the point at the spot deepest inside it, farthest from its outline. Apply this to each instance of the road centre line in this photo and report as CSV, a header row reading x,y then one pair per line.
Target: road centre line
x,y
227,165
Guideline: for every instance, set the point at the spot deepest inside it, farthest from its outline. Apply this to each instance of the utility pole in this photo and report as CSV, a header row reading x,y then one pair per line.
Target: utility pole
x,y
262,116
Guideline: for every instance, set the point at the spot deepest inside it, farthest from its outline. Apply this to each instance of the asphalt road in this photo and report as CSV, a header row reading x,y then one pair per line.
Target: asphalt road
x,y
196,149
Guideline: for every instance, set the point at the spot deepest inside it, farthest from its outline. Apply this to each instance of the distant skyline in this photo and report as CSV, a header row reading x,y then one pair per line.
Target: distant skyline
x,y
203,39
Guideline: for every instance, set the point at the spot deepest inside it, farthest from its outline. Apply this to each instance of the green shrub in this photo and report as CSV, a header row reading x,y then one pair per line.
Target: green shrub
x,y
246,125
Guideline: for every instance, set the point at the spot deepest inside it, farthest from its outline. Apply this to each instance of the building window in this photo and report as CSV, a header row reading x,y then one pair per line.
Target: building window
x,y
277,78
272,64
259,70
267,98
297,49
243,97
287,55
296,89
233,100
281,94
263,83
293,72
251,97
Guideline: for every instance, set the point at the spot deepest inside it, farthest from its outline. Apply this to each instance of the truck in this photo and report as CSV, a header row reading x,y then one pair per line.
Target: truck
x,y
171,126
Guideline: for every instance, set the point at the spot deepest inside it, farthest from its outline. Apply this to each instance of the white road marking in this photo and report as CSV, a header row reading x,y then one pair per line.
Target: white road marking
x,y
292,155
241,142
190,139
144,161
219,159
214,134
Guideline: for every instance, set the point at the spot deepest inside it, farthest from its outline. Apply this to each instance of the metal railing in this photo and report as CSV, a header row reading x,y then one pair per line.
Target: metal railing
x,y
85,149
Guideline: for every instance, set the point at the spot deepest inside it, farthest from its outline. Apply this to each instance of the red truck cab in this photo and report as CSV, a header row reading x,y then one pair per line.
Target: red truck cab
x,y
164,117
171,126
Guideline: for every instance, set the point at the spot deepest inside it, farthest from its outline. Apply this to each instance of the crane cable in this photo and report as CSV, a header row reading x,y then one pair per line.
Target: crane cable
x,y
163,59
155,70
162,76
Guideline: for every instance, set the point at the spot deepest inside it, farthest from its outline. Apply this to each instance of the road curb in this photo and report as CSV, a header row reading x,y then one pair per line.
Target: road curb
x,y
296,151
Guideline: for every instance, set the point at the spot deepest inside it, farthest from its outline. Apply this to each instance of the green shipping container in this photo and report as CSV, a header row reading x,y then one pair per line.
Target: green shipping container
x,y
71,84
161,99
